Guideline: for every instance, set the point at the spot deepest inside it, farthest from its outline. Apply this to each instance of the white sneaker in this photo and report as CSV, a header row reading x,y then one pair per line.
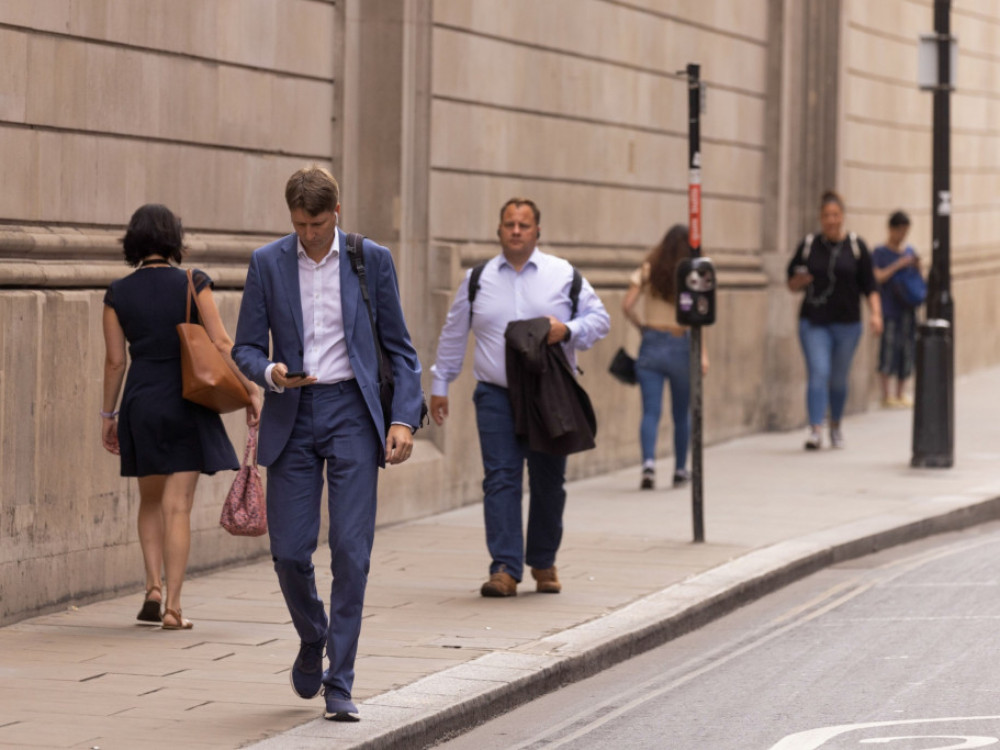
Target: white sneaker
x,y
815,441
836,438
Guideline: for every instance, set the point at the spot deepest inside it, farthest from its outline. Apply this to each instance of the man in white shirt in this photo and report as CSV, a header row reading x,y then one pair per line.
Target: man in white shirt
x,y
304,334
518,284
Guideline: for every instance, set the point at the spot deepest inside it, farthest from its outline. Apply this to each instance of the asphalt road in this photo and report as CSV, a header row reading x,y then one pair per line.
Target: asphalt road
x,y
897,650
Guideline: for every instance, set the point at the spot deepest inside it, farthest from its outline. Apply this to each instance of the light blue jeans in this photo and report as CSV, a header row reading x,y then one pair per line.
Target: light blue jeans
x,y
829,350
664,357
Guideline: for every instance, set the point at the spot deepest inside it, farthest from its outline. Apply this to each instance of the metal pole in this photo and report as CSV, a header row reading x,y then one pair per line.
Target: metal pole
x,y
934,412
694,237
939,301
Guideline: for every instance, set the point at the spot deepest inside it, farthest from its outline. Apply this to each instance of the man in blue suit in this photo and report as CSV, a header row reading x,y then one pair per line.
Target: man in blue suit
x,y
304,334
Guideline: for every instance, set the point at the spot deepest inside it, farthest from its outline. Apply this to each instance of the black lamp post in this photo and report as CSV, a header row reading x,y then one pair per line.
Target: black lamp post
x,y
934,402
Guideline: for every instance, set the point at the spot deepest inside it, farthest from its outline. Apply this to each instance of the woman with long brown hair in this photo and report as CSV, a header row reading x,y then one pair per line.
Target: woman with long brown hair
x,y
665,351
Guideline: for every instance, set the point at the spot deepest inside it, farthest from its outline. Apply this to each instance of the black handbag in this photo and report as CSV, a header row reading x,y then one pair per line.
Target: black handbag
x,y
386,381
623,367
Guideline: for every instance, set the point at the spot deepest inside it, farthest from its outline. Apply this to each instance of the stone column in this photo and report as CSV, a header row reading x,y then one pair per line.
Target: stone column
x,y
802,124
386,139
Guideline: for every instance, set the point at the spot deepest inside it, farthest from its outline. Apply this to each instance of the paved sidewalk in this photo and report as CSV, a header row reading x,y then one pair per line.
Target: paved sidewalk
x,y
435,656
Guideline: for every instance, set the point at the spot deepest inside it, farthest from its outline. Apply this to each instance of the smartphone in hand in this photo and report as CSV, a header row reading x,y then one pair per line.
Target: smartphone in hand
x,y
291,374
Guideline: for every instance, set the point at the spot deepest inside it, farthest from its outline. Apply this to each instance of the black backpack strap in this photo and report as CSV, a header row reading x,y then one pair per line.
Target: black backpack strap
x,y
355,251
474,286
574,292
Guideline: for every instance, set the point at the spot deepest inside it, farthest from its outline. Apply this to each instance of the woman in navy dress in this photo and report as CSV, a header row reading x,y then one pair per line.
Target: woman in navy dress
x,y
163,440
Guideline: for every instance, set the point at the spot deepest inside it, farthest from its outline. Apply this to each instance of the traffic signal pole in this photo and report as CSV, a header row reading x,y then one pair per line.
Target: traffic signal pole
x,y
694,238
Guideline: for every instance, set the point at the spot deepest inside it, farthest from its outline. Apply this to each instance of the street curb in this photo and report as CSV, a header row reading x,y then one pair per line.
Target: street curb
x,y
457,699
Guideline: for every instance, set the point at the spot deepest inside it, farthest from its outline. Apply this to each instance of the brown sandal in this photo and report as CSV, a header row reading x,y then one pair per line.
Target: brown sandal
x,y
150,611
182,624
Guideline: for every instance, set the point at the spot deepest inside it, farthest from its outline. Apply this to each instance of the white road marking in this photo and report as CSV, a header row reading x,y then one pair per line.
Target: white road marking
x,y
909,618
814,739
967,742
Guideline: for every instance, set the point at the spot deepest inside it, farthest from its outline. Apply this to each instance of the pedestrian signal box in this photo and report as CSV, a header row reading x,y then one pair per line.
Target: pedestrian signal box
x,y
696,292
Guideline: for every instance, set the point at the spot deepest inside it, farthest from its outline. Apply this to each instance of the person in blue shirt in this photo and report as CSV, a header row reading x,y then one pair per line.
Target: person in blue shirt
x,y
519,283
899,334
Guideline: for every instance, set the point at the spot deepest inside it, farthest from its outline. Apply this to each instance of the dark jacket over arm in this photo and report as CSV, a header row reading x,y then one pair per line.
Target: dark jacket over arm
x,y
552,411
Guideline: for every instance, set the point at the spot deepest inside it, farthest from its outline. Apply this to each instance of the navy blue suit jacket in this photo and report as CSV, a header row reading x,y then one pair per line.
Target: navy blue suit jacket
x,y
271,314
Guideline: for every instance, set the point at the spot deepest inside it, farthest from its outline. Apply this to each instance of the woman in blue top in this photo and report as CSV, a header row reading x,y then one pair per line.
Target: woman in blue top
x,y
899,337
834,269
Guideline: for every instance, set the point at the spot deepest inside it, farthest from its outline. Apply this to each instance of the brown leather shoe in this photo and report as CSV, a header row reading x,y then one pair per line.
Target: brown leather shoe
x,y
548,581
500,584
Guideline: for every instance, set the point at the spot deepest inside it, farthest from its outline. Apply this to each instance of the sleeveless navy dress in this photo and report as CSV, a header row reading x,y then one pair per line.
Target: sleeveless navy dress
x,y
158,430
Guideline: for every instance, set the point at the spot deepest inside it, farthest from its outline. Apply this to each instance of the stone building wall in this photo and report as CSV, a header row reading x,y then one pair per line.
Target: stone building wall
x,y
887,154
582,106
432,113
104,106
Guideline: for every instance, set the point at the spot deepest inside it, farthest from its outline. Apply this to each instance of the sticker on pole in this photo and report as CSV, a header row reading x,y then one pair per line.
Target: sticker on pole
x,y
694,207
944,203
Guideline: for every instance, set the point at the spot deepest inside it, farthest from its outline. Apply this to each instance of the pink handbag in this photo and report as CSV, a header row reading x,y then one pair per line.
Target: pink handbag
x,y
245,511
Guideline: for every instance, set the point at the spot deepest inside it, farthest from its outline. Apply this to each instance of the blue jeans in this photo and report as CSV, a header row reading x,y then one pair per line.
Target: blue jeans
x,y
503,464
898,344
664,357
829,350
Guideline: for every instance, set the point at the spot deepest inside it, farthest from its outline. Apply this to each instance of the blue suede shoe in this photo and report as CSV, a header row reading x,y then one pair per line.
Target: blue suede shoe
x,y
340,709
307,671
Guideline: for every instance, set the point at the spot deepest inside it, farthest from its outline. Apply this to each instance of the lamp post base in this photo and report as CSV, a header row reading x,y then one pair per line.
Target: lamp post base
x,y
934,403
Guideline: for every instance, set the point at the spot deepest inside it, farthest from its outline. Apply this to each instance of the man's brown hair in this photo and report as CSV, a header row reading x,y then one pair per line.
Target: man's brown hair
x,y
313,189
517,203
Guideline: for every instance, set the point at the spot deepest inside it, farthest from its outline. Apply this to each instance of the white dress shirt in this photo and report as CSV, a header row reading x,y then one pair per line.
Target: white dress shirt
x,y
324,341
539,289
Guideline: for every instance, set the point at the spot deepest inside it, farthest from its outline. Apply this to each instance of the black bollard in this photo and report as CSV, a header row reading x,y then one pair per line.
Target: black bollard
x,y
934,408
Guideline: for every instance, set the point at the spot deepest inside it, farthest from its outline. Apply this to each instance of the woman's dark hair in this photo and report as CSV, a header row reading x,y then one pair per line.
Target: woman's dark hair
x,y
153,230
831,196
663,260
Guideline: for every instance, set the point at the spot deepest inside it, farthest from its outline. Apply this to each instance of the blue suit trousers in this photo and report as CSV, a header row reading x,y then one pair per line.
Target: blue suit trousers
x,y
332,427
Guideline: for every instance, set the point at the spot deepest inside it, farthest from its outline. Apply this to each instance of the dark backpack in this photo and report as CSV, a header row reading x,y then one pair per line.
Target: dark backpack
x,y
574,289
386,381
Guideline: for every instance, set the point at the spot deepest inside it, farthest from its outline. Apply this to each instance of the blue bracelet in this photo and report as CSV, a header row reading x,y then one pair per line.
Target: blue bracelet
x,y
109,414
